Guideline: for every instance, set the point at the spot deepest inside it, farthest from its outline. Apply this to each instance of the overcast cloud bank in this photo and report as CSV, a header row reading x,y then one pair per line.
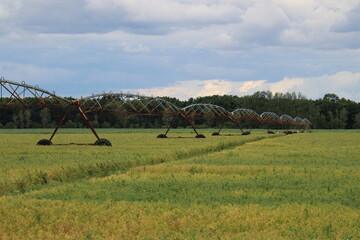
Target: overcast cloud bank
x,y
77,47
315,87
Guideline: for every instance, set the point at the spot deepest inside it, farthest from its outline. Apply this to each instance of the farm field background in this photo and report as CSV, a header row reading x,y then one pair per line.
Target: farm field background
x,y
300,186
24,164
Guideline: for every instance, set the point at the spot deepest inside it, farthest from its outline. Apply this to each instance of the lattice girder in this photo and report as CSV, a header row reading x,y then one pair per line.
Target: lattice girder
x,y
206,111
306,121
270,117
298,121
22,95
286,119
127,104
243,114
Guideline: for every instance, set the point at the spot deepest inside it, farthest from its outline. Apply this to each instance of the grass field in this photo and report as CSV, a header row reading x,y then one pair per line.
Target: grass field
x,y
300,186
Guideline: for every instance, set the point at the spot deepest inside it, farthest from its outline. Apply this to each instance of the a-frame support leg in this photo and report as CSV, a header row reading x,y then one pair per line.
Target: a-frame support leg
x,y
191,124
86,119
221,127
239,126
172,123
61,121
218,132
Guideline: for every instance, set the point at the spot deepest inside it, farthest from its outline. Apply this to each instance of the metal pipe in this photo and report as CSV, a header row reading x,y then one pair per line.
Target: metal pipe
x,y
86,119
61,120
172,122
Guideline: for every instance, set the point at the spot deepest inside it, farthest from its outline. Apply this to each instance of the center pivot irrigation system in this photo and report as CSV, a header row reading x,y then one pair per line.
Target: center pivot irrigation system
x,y
15,95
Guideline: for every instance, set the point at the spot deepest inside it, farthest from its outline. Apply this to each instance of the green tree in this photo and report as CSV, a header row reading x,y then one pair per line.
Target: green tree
x,y
70,124
45,117
331,97
95,122
15,120
21,119
356,124
27,117
335,122
343,116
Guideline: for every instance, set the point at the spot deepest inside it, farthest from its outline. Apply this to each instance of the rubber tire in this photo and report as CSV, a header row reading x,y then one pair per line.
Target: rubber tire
x,y
162,136
270,132
200,136
215,134
245,133
44,142
102,142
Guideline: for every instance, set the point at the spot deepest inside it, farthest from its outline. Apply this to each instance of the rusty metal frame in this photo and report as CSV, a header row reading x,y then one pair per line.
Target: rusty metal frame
x,y
119,103
128,104
269,118
306,124
205,111
14,94
286,121
246,115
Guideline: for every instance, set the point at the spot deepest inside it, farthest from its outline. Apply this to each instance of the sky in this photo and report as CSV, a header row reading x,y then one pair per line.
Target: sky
x,y
183,48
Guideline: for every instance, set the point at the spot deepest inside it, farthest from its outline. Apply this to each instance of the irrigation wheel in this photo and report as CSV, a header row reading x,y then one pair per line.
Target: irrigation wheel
x,y
200,136
44,142
161,136
102,142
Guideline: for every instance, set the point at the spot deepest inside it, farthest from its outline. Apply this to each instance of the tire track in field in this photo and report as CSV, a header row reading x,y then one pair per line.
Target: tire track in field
x,y
42,179
220,147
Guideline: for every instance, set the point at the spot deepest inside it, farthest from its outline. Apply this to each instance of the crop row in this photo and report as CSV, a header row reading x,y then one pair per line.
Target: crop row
x,y
302,186
29,165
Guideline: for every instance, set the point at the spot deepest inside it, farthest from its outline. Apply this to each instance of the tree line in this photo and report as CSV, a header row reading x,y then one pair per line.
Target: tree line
x,y
329,112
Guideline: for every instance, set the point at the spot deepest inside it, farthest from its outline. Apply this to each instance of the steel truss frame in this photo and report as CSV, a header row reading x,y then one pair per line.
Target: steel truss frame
x,y
119,103
243,115
13,96
203,111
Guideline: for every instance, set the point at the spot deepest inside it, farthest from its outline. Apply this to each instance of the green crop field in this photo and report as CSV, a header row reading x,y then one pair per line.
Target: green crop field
x,y
299,186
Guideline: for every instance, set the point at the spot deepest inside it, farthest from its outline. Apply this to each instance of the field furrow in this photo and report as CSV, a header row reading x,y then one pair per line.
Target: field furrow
x,y
301,186
24,165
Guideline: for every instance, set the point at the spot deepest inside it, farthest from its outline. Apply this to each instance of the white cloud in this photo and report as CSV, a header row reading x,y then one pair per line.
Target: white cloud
x,y
26,70
345,84
350,22
128,48
258,16
293,37
145,43
250,86
286,85
199,69
188,89
3,12
215,24
163,11
262,24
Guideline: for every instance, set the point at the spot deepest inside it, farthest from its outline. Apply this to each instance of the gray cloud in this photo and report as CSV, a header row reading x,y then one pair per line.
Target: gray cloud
x,y
138,16
236,23
351,22
56,16
346,84
145,43
263,23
